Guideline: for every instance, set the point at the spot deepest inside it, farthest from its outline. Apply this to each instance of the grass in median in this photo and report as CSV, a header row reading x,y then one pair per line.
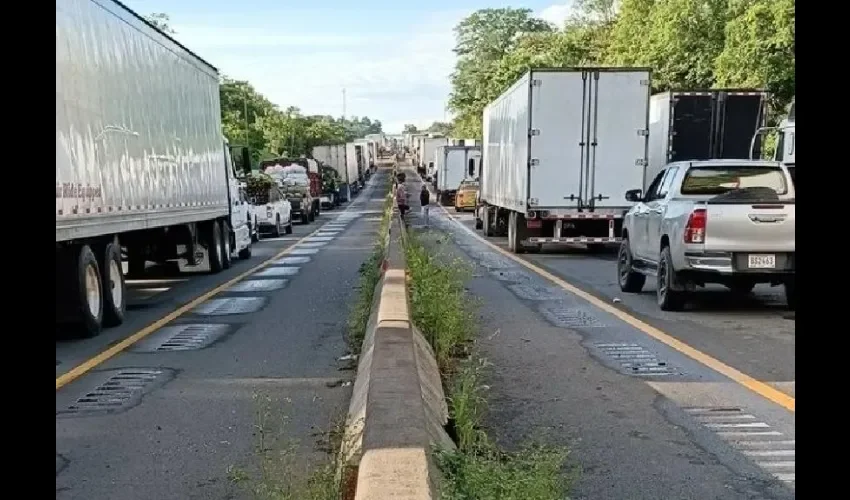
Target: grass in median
x,y
370,274
278,473
478,469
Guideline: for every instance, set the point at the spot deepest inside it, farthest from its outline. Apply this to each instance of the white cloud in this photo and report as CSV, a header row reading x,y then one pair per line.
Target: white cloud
x,y
557,14
397,79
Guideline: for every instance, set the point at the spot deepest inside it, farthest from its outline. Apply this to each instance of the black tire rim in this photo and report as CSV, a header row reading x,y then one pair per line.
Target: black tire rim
x,y
624,263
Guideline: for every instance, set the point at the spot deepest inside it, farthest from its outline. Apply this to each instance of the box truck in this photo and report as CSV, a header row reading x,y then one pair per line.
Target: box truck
x,y
429,150
703,125
561,148
453,165
142,168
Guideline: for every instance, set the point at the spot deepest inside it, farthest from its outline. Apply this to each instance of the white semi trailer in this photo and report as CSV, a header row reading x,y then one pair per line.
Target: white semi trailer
x,y
561,148
142,169
453,165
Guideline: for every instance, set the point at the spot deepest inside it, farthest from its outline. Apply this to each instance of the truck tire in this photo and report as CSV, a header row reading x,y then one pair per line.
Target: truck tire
x,y
629,280
791,294
245,253
515,233
486,227
288,228
276,229
478,222
212,237
114,287
226,247
79,291
311,216
305,217
668,299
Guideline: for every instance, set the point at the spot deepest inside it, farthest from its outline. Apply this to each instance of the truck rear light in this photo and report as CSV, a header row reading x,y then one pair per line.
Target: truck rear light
x,y
695,227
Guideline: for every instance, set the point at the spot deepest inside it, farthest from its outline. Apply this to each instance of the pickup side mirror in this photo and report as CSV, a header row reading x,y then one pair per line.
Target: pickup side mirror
x,y
634,195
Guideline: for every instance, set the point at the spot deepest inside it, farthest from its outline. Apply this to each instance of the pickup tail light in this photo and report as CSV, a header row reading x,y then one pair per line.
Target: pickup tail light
x,y
695,228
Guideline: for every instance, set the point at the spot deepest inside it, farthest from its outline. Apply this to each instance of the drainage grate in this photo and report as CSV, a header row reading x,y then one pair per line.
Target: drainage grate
x,y
182,338
569,317
277,271
318,239
120,391
509,275
768,448
304,251
230,305
528,291
635,359
287,261
258,286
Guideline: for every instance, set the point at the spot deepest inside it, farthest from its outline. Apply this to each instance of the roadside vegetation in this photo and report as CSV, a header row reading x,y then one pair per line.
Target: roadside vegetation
x,y
478,469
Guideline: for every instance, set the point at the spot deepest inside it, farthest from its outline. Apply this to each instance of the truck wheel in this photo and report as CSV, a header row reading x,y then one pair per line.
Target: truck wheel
x,y
305,217
791,294
515,234
629,280
80,294
486,228
245,253
215,249
115,290
668,299
288,228
226,248
478,223
311,216
276,229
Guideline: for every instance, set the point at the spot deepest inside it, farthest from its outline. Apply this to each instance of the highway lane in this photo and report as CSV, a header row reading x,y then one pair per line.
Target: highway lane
x,y
646,414
256,366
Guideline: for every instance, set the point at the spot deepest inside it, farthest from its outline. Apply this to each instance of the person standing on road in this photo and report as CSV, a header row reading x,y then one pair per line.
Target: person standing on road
x,y
425,200
401,198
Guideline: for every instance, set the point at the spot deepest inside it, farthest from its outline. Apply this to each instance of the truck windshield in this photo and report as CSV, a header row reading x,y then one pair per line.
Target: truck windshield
x,y
718,180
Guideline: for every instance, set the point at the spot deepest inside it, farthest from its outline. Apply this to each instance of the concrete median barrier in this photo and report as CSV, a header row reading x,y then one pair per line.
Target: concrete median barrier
x,y
398,410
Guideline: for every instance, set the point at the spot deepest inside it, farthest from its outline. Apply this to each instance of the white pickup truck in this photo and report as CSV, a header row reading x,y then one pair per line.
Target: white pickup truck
x,y
730,222
272,212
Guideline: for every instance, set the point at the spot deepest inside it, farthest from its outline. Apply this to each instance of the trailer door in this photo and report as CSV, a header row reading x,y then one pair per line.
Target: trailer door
x,y
741,114
690,135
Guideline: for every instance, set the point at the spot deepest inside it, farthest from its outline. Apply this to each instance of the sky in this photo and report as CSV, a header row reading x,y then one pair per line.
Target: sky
x,y
392,58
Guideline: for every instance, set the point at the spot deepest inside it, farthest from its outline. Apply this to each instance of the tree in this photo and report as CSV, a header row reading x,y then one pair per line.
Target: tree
x,y
441,128
161,21
410,128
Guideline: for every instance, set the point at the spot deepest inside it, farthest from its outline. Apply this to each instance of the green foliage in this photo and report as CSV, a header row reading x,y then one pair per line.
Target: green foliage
x,y
410,128
161,21
688,44
441,128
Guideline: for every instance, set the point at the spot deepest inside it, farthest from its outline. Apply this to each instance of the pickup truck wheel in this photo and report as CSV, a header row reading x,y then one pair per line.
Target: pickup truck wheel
x,y
276,230
214,246
115,290
791,294
629,280
226,248
668,299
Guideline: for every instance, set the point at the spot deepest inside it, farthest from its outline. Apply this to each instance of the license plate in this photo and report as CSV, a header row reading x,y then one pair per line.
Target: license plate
x,y
761,261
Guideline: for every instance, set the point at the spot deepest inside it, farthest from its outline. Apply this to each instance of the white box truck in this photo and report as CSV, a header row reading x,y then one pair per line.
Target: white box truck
x,y
429,150
142,168
561,148
356,156
453,165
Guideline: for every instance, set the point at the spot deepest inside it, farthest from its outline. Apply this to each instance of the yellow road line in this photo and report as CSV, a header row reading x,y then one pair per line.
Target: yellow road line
x,y
86,366
757,386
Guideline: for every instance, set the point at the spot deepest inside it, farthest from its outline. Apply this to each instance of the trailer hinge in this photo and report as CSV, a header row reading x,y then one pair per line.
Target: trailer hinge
x,y
534,131
644,83
534,162
536,83
643,132
640,162
532,202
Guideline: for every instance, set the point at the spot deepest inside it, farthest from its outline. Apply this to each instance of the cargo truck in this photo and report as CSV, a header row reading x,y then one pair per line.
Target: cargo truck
x,y
703,125
560,148
142,169
429,149
452,166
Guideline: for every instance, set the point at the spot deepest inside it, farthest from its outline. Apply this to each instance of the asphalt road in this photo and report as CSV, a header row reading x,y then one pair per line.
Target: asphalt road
x,y
183,412
642,420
